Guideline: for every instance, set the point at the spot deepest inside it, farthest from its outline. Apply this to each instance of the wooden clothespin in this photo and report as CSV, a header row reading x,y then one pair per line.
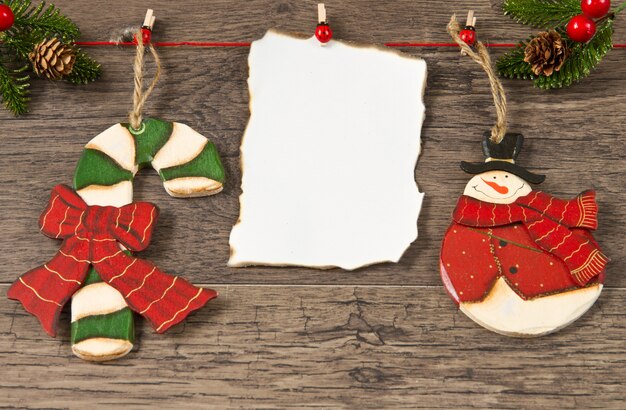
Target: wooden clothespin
x,y
147,26
321,13
471,20
323,31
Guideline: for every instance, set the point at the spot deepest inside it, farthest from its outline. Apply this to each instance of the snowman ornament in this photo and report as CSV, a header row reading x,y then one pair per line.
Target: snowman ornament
x,y
516,260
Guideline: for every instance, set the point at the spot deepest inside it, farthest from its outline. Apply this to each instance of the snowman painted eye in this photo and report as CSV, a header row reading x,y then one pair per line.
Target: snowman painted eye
x,y
494,177
506,176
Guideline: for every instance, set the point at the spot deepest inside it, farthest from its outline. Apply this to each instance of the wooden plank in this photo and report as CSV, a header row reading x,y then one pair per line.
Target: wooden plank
x,y
334,338
361,20
209,92
328,347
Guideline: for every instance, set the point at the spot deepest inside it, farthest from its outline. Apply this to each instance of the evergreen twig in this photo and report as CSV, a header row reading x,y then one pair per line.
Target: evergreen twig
x,y
583,59
85,69
14,88
554,14
42,19
543,14
22,42
620,8
512,64
32,25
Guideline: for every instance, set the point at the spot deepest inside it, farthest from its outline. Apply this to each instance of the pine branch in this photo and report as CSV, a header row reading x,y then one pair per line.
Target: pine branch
x,y
620,8
32,25
583,59
46,21
544,14
19,7
85,69
22,42
14,89
512,64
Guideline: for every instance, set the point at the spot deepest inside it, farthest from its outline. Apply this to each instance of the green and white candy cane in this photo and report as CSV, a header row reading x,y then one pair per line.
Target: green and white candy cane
x,y
189,166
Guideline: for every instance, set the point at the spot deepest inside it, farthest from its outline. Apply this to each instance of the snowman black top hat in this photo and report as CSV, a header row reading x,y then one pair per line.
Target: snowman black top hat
x,y
501,156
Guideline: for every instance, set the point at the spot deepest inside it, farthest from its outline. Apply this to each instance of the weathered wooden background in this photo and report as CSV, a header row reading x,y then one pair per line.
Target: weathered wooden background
x,y
384,336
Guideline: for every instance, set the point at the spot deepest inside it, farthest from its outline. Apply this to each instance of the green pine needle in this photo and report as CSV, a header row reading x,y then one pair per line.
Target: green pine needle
x,y
543,14
14,89
512,64
20,8
583,59
22,42
85,69
47,21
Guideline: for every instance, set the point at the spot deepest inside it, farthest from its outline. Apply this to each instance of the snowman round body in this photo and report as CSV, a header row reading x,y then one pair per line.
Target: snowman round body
x,y
488,271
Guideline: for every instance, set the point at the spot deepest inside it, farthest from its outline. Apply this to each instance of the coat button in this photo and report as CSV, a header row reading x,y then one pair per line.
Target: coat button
x,y
503,243
513,269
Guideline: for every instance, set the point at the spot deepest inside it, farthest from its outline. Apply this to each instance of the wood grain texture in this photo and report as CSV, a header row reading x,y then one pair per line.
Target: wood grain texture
x,y
300,337
325,346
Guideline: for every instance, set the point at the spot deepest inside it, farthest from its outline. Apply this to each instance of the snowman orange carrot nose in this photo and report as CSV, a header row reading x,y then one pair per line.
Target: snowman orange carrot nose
x,y
498,188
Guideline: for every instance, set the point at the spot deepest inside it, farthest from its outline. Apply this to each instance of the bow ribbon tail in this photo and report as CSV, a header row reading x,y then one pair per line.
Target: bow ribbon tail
x,y
163,299
44,290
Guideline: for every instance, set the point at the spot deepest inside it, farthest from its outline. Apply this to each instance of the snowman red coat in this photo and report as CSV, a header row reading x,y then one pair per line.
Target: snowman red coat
x,y
540,245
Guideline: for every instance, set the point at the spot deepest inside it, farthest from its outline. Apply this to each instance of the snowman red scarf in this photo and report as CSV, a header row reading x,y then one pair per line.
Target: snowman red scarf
x,y
93,235
548,221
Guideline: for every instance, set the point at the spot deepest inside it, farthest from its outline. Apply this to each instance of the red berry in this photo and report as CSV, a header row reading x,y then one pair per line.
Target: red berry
x,y
468,35
6,17
323,33
595,8
581,28
146,35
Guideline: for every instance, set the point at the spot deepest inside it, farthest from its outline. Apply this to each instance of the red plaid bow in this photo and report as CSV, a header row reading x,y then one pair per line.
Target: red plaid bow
x,y
92,236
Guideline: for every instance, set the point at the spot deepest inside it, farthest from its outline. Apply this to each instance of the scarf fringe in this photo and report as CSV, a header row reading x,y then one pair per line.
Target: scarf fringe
x,y
588,210
594,265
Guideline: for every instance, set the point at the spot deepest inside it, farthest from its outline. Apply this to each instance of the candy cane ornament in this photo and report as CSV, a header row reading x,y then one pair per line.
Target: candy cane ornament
x,y
101,227
189,166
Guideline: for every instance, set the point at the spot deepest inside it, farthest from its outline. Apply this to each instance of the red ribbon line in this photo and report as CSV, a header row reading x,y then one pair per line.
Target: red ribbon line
x,y
164,43
247,44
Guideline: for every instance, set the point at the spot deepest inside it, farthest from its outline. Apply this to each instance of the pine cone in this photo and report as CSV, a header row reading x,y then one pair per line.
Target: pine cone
x,y
546,53
52,59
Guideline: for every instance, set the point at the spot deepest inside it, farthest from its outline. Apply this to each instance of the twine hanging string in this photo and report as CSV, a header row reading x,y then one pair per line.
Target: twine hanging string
x,y
480,55
140,95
